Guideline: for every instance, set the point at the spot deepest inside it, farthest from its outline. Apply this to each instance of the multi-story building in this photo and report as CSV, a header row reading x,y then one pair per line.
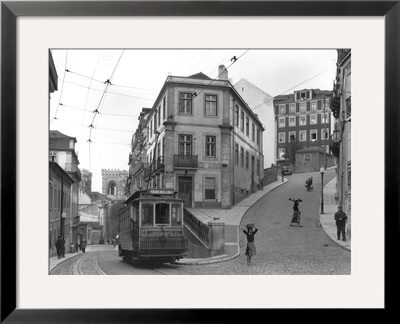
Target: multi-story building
x,y
303,117
201,139
341,146
261,104
62,152
60,184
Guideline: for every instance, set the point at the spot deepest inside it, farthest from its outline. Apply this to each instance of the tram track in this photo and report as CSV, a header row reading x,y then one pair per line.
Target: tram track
x,y
87,265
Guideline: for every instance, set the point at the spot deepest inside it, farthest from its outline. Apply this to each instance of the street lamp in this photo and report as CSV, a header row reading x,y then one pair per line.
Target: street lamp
x,y
322,170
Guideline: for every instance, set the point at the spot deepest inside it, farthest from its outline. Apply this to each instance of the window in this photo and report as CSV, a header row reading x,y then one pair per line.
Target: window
x,y
303,136
302,107
210,146
327,102
258,166
253,132
307,157
147,214
237,154
159,116
313,135
281,153
211,105
258,136
324,118
297,107
162,214
53,157
236,115
176,214
209,188
292,108
282,122
242,157
292,121
319,104
242,121
292,136
185,103
247,126
302,120
185,145
324,134
308,106
281,137
313,119
163,108
247,160
155,121
282,109
313,106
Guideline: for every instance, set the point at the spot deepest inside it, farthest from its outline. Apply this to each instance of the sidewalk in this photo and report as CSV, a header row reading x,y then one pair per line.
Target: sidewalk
x,y
327,219
232,218
55,261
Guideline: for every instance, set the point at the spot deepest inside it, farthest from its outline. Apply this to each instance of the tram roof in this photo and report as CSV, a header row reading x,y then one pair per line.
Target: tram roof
x,y
152,193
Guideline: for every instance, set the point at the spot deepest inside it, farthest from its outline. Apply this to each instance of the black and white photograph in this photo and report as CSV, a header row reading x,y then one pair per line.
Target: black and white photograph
x,y
200,161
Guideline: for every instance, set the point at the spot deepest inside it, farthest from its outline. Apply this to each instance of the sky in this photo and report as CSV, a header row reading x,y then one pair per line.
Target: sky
x,y
119,83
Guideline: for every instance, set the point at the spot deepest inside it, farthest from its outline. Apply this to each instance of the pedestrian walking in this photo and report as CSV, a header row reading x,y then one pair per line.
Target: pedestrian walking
x,y
296,211
59,247
341,219
71,248
251,247
83,246
78,246
283,174
63,246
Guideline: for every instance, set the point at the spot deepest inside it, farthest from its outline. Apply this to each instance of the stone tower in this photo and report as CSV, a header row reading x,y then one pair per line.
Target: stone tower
x,y
113,182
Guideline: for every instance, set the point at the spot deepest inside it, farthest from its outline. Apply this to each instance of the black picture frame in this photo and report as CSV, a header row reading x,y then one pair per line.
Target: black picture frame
x,y
10,10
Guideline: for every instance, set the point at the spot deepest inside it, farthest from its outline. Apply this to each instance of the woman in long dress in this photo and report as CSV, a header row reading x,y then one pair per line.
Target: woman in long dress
x,y
251,247
296,211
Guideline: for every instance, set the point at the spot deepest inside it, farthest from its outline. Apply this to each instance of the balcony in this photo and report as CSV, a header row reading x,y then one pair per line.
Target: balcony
x,y
156,166
186,161
73,167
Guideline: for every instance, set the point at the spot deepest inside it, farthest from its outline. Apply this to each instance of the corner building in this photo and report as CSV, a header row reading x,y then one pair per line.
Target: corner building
x,y
201,139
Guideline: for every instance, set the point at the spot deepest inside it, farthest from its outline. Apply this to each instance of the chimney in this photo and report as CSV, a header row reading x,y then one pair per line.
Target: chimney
x,y
222,73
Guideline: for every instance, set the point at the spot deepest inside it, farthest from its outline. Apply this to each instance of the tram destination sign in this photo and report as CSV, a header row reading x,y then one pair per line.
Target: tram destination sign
x,y
160,191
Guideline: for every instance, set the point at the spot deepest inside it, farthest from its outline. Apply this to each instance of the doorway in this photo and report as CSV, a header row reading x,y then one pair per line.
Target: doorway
x,y
185,190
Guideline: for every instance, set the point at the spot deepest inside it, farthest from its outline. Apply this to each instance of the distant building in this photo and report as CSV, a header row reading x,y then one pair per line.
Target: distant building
x,y
200,138
261,104
62,152
113,183
303,117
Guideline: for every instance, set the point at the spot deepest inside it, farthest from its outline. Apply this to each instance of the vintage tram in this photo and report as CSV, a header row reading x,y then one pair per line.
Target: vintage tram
x,y
151,227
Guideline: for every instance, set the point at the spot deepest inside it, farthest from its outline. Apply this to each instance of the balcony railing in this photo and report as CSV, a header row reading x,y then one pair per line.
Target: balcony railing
x,y
199,228
154,167
186,161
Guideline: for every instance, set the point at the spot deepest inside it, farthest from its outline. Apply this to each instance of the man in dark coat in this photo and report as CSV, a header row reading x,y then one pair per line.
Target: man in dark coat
x,y
341,218
59,246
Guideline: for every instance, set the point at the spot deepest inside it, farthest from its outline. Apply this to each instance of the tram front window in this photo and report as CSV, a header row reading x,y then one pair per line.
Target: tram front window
x,y
176,215
162,214
147,214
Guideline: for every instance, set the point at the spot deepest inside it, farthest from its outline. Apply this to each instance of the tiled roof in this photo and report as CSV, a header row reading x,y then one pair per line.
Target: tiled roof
x,y
57,134
200,76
